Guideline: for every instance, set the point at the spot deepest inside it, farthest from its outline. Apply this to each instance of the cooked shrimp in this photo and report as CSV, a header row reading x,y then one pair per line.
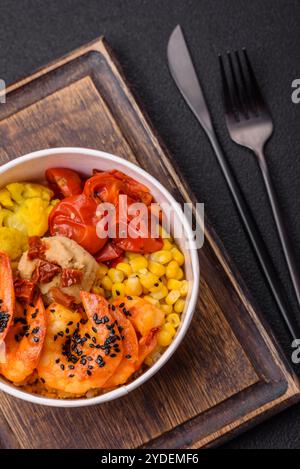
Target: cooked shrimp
x,y
131,351
144,315
24,342
80,354
7,295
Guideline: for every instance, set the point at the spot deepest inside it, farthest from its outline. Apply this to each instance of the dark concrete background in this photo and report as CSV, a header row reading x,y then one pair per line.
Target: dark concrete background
x,y
33,32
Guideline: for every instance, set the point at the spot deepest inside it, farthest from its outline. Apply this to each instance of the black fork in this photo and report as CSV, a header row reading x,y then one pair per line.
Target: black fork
x,y
250,124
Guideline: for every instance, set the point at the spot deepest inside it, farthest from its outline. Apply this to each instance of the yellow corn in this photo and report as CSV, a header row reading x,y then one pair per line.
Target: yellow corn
x,y
148,280
184,289
125,268
107,283
177,256
98,290
138,263
174,284
172,270
133,287
164,234
166,334
115,275
156,268
160,294
180,274
167,309
163,257
167,244
172,297
132,255
102,271
174,319
179,305
118,290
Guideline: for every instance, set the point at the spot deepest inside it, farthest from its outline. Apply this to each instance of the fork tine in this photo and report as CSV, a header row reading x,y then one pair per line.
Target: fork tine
x,y
235,88
257,100
228,103
246,97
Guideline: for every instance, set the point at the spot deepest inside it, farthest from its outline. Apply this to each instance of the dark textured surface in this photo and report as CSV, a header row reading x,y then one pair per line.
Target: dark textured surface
x,y
34,32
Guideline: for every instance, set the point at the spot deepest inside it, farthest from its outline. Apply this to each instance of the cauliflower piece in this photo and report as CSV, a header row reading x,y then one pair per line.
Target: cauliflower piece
x,y
30,217
13,242
26,190
5,198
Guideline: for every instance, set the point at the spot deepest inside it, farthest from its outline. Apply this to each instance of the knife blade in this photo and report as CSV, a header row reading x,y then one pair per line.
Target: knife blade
x,y
183,72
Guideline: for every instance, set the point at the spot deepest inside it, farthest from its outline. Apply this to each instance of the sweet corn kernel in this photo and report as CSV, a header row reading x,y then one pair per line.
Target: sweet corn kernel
x,y
172,297
133,287
118,290
180,274
184,289
151,300
157,286
164,234
172,270
106,283
156,268
179,305
166,334
132,255
174,284
102,270
163,257
174,319
177,256
148,280
167,309
167,244
125,268
98,291
164,338
138,263
115,275
160,294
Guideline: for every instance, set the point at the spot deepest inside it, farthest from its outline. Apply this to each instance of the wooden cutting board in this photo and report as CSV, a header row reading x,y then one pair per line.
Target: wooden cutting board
x,y
229,373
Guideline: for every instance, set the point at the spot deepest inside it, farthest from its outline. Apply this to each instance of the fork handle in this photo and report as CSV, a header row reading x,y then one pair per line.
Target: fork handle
x,y
281,228
255,237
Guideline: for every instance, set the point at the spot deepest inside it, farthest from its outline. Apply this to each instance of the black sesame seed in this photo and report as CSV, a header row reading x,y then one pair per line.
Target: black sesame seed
x,y
128,357
88,372
36,340
62,367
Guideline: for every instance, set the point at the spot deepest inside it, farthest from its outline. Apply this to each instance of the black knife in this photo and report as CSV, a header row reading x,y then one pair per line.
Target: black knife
x,y
185,77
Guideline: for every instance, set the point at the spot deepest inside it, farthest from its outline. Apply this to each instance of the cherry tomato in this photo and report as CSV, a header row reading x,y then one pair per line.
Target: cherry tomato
x,y
134,189
64,181
75,218
141,245
109,252
104,187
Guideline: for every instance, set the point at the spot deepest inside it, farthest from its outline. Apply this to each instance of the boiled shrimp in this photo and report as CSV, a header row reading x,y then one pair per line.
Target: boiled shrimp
x,y
80,353
147,318
24,342
7,295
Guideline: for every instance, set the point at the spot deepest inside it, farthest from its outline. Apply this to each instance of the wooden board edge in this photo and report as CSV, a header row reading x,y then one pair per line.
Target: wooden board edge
x,y
293,391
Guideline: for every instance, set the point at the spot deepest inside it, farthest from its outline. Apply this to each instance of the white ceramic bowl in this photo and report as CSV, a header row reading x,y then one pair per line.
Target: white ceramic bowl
x,y
32,167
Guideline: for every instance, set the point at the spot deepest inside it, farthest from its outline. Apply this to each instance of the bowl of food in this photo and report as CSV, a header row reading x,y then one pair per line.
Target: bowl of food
x,y
92,302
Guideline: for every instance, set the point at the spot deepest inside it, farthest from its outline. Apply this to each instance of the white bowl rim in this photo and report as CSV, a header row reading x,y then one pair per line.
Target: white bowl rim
x,y
123,390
